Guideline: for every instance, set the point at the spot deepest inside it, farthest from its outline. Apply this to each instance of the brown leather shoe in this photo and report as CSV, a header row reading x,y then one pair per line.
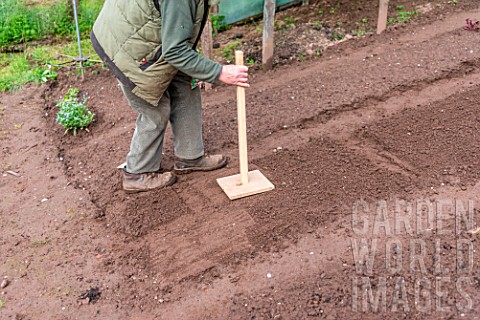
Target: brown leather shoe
x,y
133,183
205,163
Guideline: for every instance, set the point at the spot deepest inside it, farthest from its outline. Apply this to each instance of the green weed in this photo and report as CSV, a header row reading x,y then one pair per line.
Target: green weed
x,y
336,36
362,27
289,22
405,16
228,52
219,24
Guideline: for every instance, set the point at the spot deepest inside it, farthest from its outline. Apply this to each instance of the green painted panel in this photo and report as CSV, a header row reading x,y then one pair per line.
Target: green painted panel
x,y
238,10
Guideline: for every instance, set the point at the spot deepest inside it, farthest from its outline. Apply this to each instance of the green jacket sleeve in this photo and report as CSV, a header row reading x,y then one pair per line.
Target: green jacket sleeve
x,y
177,28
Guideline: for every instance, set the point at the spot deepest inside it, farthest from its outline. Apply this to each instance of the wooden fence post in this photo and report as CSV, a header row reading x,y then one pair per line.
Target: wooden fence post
x,y
382,16
268,34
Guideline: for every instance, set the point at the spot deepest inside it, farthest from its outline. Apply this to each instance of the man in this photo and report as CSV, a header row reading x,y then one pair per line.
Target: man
x,y
150,46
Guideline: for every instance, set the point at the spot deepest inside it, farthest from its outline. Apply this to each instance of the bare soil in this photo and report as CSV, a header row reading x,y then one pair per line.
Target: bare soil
x,y
376,118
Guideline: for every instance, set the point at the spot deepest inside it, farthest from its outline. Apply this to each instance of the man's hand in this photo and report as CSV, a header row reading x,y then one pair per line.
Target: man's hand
x,y
236,75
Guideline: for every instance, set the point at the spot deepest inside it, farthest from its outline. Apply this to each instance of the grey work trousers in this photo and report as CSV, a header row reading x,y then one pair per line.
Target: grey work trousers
x,y
180,105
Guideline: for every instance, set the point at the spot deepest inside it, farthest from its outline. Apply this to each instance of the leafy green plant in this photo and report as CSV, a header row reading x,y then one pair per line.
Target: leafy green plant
x,y
336,36
362,27
73,114
405,16
219,24
302,57
229,50
289,22
44,75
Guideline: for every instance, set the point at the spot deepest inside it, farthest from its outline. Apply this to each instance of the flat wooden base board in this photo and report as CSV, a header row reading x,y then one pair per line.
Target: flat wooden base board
x,y
257,183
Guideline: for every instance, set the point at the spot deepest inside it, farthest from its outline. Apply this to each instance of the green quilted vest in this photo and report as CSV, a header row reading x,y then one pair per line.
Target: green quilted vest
x,y
127,36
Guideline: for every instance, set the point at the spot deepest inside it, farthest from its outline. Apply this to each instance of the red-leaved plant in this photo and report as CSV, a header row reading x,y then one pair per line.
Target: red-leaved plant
x,y
472,25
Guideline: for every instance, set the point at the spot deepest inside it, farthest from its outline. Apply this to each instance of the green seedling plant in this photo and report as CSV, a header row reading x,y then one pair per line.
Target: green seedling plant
x,y
219,24
302,57
289,22
73,113
229,50
337,36
402,16
405,16
361,27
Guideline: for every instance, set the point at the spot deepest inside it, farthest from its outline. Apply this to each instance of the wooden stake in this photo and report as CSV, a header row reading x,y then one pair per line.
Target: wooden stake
x,y
246,183
242,125
382,16
268,34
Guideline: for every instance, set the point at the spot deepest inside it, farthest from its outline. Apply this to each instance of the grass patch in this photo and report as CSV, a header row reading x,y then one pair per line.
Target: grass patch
x,y
33,65
19,71
21,22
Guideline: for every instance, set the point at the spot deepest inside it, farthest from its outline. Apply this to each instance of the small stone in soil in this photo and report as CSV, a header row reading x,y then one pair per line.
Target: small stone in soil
x,y
4,283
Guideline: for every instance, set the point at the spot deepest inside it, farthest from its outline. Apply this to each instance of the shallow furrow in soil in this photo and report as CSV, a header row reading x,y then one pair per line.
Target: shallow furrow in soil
x,y
334,86
343,126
